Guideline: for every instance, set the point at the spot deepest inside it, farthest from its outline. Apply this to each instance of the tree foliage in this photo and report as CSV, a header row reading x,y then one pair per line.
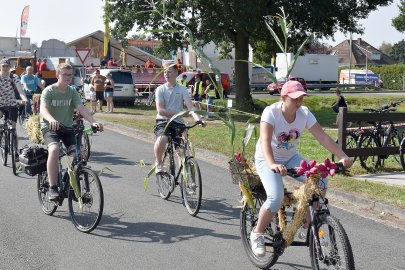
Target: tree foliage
x,y
398,51
385,48
317,47
399,21
239,22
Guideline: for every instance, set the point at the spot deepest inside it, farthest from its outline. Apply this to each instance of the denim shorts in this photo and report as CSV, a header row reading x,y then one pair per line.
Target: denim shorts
x,y
108,94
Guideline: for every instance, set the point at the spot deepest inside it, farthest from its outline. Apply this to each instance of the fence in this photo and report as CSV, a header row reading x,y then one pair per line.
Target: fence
x,y
344,118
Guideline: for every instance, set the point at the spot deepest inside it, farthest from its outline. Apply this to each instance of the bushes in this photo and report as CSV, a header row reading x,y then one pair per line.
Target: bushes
x,y
391,75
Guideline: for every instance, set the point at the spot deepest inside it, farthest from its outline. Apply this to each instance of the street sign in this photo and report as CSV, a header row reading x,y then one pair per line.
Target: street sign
x,y
83,54
361,78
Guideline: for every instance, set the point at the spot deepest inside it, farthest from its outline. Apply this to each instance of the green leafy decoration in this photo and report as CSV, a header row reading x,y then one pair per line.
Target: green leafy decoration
x,y
102,171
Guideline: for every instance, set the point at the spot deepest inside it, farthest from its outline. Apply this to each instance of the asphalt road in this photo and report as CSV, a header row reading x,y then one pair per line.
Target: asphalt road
x,y
139,230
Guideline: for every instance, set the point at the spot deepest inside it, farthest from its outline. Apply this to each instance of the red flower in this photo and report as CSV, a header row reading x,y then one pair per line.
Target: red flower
x,y
238,157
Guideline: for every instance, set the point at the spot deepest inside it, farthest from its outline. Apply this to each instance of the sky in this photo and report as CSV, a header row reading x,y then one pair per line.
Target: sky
x,y
68,20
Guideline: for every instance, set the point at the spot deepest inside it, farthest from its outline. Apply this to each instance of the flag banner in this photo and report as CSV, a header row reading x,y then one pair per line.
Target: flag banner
x,y
106,29
24,21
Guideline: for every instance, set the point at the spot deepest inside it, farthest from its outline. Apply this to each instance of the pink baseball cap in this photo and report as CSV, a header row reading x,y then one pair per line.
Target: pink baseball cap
x,y
293,89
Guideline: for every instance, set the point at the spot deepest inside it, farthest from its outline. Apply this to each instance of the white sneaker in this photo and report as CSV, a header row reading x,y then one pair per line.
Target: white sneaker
x,y
257,243
302,233
159,168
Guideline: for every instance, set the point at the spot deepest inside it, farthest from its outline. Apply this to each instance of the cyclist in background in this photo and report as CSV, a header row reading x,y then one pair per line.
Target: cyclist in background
x,y
170,98
30,82
58,102
9,83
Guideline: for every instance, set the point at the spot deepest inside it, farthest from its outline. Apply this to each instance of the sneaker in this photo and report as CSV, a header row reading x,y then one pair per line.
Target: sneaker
x,y
53,194
302,233
159,168
257,243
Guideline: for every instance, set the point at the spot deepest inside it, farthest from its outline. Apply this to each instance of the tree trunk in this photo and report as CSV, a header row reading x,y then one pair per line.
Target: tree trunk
x,y
242,88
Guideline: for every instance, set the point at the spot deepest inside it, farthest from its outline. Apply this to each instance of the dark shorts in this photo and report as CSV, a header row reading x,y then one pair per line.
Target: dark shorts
x,y
174,130
99,95
12,113
67,136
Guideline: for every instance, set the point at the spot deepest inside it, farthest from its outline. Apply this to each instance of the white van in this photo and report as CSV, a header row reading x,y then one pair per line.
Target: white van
x,y
124,90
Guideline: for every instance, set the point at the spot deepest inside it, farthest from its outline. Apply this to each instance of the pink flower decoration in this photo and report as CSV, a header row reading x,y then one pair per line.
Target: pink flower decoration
x,y
238,157
307,169
328,167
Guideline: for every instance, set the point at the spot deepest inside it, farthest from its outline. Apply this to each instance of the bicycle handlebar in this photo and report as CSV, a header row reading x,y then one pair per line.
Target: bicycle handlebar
x,y
385,108
195,124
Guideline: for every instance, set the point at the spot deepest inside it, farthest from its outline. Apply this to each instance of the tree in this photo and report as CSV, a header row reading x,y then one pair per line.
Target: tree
x,y
398,51
240,22
399,22
385,48
317,47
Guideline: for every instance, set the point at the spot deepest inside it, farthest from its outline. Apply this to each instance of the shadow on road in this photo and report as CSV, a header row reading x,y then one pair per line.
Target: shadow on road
x,y
107,158
147,232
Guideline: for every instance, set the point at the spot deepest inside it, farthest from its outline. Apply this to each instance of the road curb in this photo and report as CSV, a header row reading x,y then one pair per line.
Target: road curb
x,y
222,161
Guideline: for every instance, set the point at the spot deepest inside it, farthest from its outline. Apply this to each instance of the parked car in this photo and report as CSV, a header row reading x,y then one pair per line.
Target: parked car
x,y
124,90
275,89
225,80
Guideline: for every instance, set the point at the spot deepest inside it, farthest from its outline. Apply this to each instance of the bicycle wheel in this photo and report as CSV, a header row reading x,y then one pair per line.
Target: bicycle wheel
x,y
48,207
402,153
86,215
13,151
335,246
85,147
351,143
4,147
396,142
165,182
191,187
370,163
248,220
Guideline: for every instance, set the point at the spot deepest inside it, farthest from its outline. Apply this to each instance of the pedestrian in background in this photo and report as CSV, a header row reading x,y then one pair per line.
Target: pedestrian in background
x,y
211,93
198,90
43,66
339,102
98,83
109,92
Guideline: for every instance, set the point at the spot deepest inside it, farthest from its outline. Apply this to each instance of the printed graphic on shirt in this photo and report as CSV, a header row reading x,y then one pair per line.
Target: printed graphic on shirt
x,y
284,139
61,102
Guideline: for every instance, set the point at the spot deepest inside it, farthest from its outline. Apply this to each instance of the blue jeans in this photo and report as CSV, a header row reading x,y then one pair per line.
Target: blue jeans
x,y
28,109
273,182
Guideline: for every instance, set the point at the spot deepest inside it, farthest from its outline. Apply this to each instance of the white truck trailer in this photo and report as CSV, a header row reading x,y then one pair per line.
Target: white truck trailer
x,y
314,68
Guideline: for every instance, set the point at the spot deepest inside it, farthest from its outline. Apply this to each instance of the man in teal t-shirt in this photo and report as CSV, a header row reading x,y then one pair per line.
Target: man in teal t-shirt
x,y
58,102
30,83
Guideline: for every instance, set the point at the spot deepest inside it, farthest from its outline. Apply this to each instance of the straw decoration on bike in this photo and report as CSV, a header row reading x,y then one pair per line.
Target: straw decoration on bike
x,y
33,128
314,174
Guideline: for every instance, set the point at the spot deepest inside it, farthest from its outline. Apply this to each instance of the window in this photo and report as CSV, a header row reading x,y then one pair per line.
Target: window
x,y
122,77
